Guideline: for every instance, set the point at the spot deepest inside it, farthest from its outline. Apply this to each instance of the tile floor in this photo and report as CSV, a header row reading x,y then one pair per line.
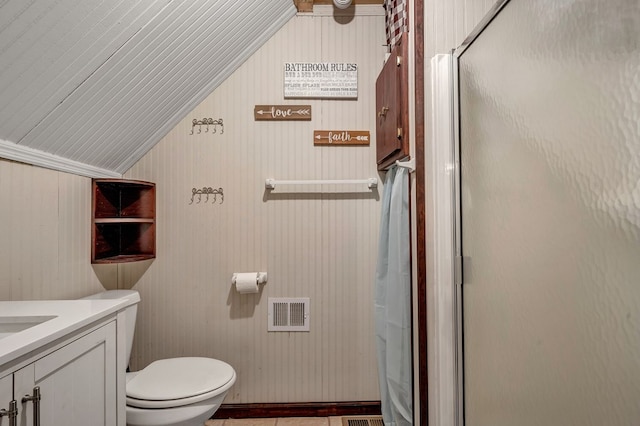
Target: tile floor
x,y
284,421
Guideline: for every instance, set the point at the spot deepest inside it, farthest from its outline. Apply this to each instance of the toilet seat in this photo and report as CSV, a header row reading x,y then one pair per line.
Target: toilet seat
x,y
176,382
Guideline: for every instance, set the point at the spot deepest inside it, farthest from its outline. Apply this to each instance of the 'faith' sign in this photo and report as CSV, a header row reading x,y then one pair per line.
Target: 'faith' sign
x,y
336,80
341,137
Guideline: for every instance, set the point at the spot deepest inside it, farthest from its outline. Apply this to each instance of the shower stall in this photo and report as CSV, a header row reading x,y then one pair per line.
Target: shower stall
x,y
540,268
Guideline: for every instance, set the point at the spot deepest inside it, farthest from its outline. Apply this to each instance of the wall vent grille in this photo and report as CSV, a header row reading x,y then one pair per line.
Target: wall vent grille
x,y
363,421
288,314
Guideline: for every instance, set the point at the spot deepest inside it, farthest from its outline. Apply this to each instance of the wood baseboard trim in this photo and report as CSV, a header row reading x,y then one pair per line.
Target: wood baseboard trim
x,y
298,409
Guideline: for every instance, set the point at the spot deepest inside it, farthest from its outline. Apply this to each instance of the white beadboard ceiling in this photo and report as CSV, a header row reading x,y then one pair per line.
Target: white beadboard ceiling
x,y
90,86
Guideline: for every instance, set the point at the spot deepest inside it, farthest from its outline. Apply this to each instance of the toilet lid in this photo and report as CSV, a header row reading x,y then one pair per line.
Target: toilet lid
x,y
177,378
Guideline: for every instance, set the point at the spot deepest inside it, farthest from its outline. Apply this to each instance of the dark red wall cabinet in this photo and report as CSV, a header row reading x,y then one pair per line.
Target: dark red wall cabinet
x,y
392,107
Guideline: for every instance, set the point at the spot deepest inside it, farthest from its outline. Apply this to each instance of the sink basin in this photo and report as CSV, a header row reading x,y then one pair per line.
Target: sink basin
x,y
12,325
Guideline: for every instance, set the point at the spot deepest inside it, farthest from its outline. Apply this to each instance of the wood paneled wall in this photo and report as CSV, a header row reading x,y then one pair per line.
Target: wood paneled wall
x,y
319,242
45,235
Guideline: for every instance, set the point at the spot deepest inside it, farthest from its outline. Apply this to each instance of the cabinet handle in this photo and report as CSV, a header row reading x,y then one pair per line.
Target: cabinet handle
x,y
12,413
36,404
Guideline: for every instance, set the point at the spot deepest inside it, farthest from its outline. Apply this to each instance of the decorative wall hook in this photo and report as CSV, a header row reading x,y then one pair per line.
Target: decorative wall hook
x,y
207,122
207,191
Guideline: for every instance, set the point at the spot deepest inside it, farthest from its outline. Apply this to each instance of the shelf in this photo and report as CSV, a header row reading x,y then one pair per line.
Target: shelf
x,y
123,226
124,258
116,220
117,198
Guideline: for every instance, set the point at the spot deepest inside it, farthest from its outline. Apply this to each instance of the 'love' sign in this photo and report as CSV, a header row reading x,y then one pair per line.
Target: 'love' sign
x,y
282,112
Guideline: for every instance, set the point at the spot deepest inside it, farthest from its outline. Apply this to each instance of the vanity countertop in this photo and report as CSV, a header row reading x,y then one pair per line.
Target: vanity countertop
x,y
53,319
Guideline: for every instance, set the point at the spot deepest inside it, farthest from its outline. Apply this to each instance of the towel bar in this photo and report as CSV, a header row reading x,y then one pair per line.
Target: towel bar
x,y
370,182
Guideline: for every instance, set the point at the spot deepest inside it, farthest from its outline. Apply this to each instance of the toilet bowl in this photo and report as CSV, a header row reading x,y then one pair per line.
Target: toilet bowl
x,y
169,391
184,391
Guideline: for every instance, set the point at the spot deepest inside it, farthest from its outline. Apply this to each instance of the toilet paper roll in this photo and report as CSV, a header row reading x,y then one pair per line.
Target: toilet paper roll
x,y
247,282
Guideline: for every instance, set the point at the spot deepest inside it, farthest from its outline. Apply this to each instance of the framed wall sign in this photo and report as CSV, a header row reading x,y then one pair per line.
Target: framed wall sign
x,y
281,112
337,80
341,137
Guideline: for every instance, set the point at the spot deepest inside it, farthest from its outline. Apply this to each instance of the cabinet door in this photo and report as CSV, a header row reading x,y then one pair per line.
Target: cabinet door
x,y
6,395
392,106
77,383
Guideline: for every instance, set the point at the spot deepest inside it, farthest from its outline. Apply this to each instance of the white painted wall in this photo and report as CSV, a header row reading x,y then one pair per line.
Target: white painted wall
x,y
45,235
317,244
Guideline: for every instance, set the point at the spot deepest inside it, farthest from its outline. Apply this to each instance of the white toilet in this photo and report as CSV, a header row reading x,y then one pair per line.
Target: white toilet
x,y
171,392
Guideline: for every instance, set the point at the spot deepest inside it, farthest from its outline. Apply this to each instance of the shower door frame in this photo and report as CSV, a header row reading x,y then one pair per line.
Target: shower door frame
x,y
458,266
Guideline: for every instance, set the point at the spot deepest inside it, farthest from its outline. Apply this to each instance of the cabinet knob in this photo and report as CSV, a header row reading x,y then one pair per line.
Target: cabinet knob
x,y
383,112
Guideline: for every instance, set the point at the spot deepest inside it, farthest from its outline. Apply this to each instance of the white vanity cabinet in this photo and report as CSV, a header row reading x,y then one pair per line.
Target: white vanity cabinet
x,y
76,377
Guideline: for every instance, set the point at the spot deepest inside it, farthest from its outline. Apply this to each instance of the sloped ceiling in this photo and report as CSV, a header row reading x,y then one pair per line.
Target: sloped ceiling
x,y
90,86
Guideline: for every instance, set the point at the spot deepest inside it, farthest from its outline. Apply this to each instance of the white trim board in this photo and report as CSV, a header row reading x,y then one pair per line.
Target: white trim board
x,y
23,154
441,291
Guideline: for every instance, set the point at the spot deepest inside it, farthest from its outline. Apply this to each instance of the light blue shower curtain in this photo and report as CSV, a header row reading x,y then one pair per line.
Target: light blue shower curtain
x,y
393,302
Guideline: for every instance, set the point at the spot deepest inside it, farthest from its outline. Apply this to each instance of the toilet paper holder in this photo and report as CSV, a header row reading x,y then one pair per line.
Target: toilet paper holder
x,y
261,278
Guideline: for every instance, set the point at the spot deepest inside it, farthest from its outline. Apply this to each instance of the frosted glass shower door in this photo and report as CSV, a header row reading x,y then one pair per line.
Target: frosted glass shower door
x,y
550,215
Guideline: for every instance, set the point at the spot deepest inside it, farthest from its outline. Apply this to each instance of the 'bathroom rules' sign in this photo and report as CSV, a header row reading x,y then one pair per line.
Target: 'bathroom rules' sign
x,y
338,80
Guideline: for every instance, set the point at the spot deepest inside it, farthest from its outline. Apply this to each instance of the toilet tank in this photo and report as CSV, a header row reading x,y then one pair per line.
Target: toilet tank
x,y
133,298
